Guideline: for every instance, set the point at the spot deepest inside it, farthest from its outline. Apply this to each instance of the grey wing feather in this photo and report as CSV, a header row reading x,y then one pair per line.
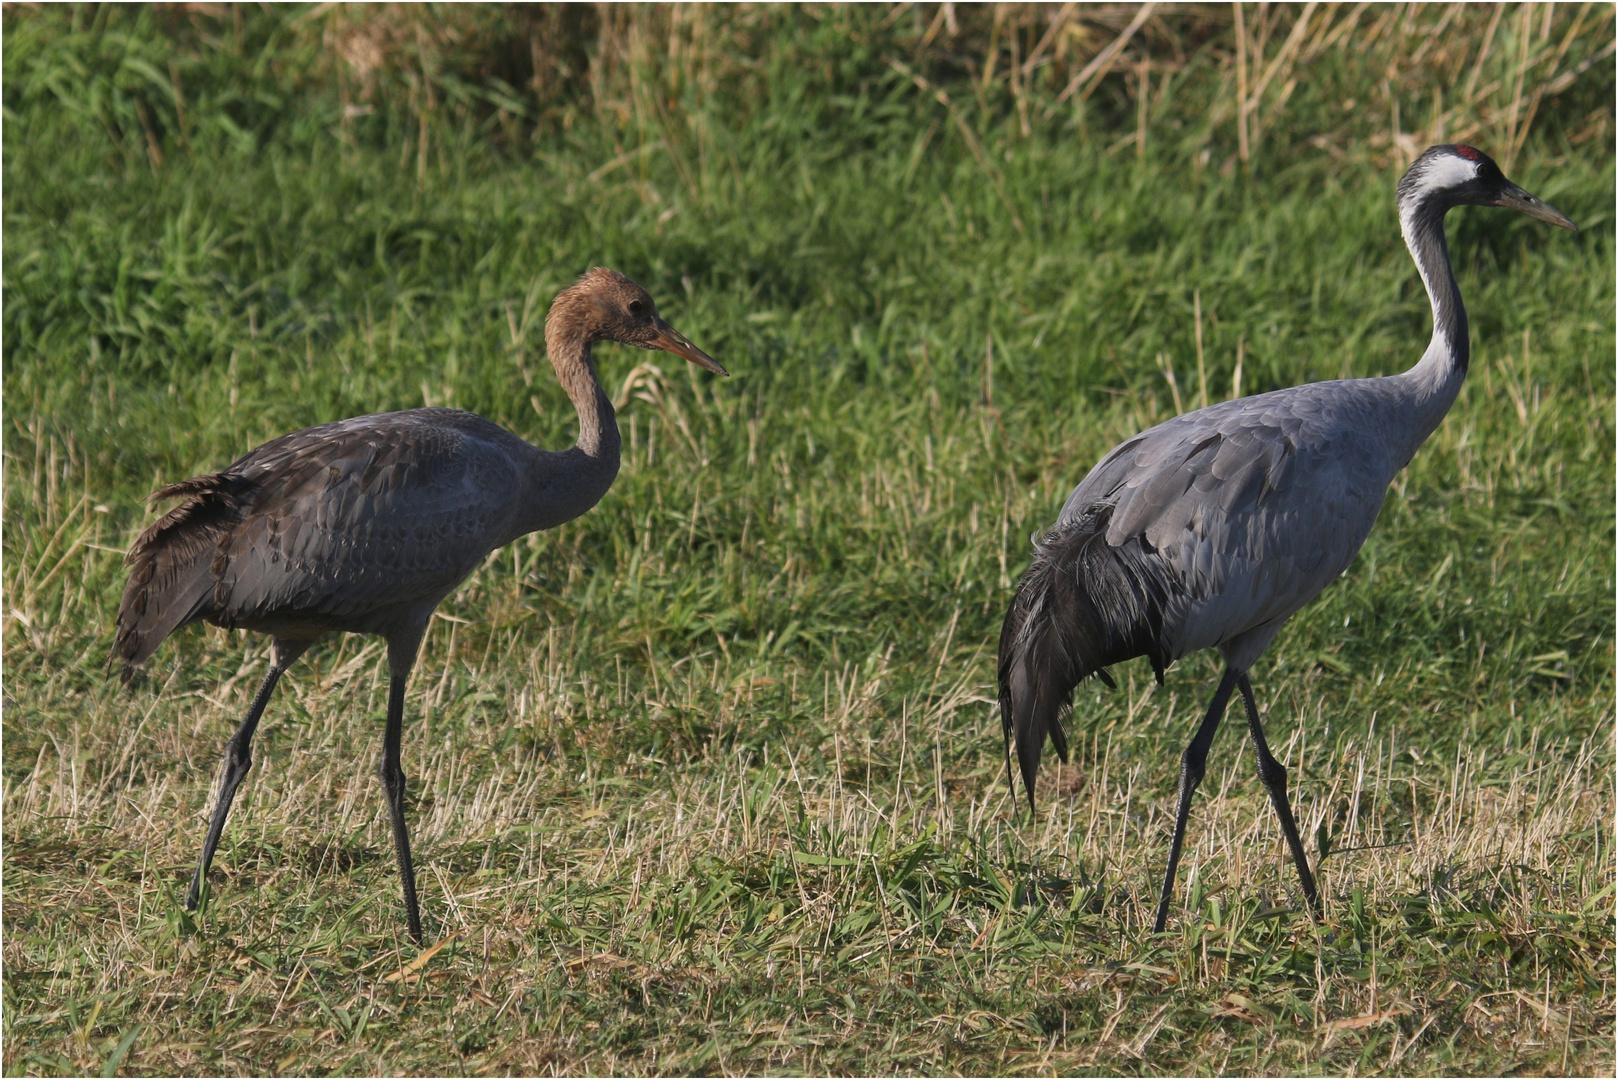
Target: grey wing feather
x,y
170,581
334,525
387,514
1256,505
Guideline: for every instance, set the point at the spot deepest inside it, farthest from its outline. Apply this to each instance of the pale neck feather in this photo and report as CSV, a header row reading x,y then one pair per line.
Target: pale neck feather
x,y
1429,388
561,485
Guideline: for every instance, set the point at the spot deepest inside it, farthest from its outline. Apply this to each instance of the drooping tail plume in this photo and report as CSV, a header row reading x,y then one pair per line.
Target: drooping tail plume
x,y
172,575
1082,605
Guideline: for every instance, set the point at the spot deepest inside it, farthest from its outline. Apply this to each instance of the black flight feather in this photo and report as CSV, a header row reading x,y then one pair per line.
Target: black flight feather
x,y
1082,605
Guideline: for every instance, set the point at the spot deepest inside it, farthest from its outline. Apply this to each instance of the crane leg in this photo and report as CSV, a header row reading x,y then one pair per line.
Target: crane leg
x,y
239,759
1273,775
1193,763
401,656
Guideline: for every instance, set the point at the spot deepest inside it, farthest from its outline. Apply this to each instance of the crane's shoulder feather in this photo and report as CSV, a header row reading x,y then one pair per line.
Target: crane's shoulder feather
x,y
1251,507
378,455
1228,473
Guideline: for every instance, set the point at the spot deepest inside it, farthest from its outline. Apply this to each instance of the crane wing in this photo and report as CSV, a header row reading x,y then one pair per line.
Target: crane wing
x,y
1248,509
367,513
333,524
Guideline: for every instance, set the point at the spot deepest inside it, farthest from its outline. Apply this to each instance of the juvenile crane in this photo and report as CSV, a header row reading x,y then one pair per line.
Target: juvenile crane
x,y
365,525
1211,529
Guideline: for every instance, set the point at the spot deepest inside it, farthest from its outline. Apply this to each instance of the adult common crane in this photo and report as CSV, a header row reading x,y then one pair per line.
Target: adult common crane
x,y
1211,529
365,525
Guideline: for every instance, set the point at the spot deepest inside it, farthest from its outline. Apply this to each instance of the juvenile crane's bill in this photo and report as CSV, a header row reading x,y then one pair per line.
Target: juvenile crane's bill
x,y
365,525
1209,531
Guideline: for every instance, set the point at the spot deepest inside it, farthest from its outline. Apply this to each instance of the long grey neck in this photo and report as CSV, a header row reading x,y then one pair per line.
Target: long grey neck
x,y
562,485
1430,387
598,423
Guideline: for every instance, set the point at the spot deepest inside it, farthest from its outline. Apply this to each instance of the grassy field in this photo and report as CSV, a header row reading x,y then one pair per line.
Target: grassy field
x,y
710,780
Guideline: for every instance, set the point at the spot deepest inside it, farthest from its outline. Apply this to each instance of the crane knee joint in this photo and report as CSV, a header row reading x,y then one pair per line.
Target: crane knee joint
x,y
1272,773
1192,767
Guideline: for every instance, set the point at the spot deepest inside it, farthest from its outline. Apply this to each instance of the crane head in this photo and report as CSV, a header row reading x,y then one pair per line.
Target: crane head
x,y
604,305
1453,175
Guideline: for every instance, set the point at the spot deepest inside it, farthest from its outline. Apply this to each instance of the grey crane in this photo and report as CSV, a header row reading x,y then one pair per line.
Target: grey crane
x,y
365,525
1212,529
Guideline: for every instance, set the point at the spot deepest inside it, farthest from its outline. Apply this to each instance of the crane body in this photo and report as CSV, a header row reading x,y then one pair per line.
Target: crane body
x,y
1211,529
365,525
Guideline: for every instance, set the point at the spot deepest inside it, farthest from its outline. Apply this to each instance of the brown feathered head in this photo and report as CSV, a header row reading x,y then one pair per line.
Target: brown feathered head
x,y
603,305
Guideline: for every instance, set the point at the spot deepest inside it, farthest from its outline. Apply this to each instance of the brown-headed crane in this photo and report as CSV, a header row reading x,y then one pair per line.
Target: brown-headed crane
x,y
364,525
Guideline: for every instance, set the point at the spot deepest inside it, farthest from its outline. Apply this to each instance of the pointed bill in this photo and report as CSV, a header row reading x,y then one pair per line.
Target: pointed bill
x,y
1515,198
667,338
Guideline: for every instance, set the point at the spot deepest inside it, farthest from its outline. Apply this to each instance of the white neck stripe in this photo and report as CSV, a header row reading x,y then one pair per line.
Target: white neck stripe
x,y
1447,171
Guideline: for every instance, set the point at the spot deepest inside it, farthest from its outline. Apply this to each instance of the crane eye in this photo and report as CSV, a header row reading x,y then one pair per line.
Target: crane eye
x,y
636,307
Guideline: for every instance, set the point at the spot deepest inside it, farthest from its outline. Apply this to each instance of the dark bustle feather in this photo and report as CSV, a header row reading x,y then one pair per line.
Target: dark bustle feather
x,y
171,567
1082,605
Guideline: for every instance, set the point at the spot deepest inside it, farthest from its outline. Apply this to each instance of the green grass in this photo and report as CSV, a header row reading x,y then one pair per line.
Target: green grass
x,y
710,780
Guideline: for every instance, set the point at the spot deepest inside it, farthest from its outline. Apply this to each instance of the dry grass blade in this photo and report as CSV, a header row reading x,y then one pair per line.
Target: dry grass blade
x,y
1359,1023
410,972
1282,64
1090,76
974,144
1243,139
1058,24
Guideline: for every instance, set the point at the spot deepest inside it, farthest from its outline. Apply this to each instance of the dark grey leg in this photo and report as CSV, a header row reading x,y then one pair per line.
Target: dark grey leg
x,y
1273,775
239,759
393,782
402,647
1192,765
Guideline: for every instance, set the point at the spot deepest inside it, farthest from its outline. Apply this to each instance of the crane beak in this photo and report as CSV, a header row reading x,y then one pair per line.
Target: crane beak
x,y
671,340
1515,198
